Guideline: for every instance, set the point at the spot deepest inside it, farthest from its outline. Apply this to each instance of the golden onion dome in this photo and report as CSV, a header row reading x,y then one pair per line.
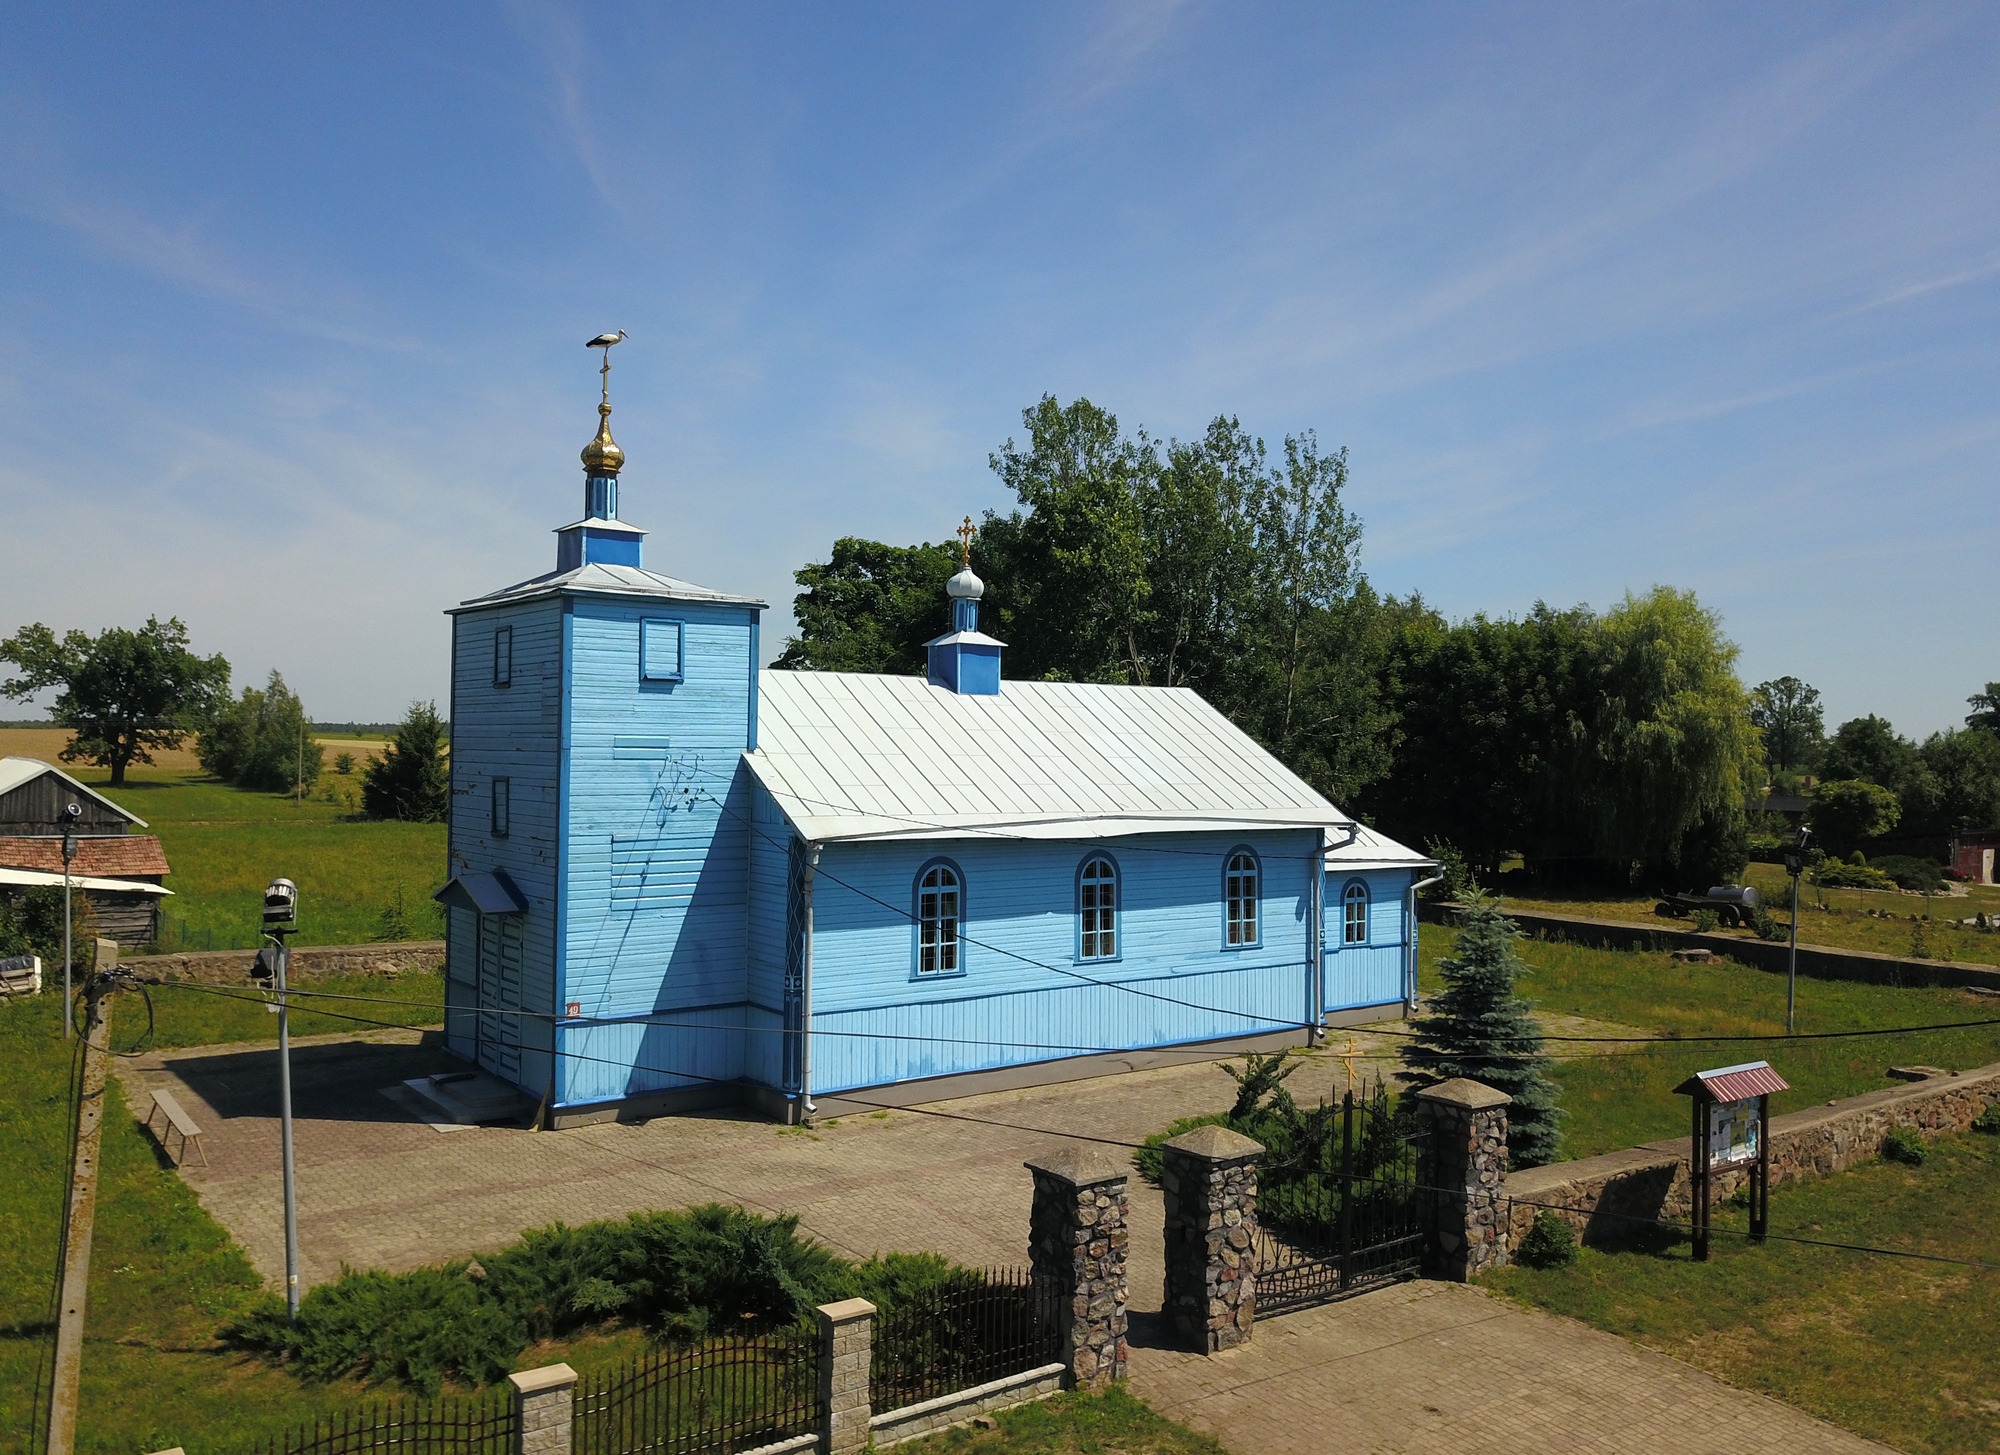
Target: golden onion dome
x,y
602,455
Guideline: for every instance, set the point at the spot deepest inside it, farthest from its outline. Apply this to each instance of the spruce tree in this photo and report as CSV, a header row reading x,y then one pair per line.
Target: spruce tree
x,y
411,781
1481,1029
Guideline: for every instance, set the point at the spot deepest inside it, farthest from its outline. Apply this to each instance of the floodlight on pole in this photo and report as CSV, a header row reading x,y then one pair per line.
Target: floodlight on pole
x,y
281,912
68,818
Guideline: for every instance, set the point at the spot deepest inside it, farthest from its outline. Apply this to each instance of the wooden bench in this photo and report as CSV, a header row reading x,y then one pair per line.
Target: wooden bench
x,y
178,1122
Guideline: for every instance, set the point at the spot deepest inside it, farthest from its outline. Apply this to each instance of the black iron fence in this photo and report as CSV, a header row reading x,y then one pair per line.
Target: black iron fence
x,y
1352,1220
980,1327
713,1398
478,1425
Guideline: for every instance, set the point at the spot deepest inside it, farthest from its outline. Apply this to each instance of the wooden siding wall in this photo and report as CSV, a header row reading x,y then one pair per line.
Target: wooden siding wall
x,y
1370,974
32,809
511,732
770,840
1020,901
656,865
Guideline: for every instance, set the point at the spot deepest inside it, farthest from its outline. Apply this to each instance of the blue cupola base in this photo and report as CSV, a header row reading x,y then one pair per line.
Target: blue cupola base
x,y
606,542
967,663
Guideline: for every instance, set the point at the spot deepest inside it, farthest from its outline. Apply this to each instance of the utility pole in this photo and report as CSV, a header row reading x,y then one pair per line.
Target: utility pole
x,y
82,1207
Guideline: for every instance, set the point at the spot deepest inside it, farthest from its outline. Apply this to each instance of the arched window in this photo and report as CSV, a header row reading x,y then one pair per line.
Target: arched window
x,y
1097,909
1354,914
1239,892
938,911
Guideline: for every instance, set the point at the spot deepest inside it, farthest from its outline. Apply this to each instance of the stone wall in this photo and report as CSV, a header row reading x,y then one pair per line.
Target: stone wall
x,y
1820,962
913,1422
1607,1198
309,962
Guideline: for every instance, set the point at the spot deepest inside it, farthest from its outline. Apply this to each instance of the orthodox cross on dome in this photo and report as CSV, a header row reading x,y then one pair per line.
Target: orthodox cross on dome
x,y
965,534
602,457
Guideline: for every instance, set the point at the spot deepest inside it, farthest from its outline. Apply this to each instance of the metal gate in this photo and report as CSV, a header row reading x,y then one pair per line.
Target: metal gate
x,y
1351,1220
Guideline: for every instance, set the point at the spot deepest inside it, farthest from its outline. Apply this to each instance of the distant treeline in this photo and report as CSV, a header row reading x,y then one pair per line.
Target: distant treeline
x,y
1617,746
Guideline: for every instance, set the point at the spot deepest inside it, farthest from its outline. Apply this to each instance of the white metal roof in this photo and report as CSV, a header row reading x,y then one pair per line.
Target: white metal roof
x,y
849,755
596,578
16,771
1370,850
34,879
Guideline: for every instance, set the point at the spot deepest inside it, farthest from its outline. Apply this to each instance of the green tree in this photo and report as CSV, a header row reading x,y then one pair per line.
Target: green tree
x,y
1074,605
1985,714
1488,728
1481,1028
1849,810
1959,789
412,779
1869,748
1788,713
123,692
262,741
1668,740
870,608
1306,662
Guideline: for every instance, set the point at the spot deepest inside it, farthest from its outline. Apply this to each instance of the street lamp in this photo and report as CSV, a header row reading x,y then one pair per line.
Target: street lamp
x,y
1795,865
281,913
68,818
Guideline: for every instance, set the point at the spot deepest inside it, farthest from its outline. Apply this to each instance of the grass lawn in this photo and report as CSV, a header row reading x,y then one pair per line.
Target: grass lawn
x,y
1618,1096
1113,1423
1900,1350
1849,919
226,844
164,1275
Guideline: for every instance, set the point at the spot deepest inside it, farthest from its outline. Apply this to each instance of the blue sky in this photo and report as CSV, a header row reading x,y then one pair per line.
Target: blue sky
x,y
292,301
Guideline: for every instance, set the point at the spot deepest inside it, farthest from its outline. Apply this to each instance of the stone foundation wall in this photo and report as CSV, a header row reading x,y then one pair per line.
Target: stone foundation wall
x,y
1820,962
1606,1199
309,962
915,1421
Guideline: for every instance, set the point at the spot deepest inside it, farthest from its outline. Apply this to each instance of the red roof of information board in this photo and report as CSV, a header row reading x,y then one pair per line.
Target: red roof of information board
x,y
1735,1083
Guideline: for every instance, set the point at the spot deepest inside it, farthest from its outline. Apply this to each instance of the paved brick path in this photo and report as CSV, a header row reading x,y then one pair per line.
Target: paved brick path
x,y
1416,1368
1441,1369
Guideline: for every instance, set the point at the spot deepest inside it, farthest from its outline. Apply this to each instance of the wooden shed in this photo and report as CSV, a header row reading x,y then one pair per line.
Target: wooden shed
x,y
121,872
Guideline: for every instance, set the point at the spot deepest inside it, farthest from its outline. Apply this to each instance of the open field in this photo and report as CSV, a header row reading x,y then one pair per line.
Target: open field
x,y
1621,1095
226,844
1894,1348
1838,917
48,743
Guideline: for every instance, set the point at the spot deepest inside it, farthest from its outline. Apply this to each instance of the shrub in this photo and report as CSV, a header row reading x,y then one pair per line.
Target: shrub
x,y
1908,872
1988,1121
680,1275
1920,939
1833,874
1904,1144
1550,1243
1705,921
1766,926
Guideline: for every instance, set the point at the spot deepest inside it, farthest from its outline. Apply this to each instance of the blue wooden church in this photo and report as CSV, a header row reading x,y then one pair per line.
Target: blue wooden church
x,y
678,880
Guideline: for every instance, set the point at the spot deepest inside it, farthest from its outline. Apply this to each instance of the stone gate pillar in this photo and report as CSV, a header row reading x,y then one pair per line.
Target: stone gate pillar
x,y
1210,1183
846,1349
1077,1237
1462,1176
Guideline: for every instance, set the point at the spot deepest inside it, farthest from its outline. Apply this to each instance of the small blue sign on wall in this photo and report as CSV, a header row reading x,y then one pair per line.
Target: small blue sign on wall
x,y
659,650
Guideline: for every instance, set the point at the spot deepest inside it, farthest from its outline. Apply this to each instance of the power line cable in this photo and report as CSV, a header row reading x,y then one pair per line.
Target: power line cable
x,y
1123,1144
